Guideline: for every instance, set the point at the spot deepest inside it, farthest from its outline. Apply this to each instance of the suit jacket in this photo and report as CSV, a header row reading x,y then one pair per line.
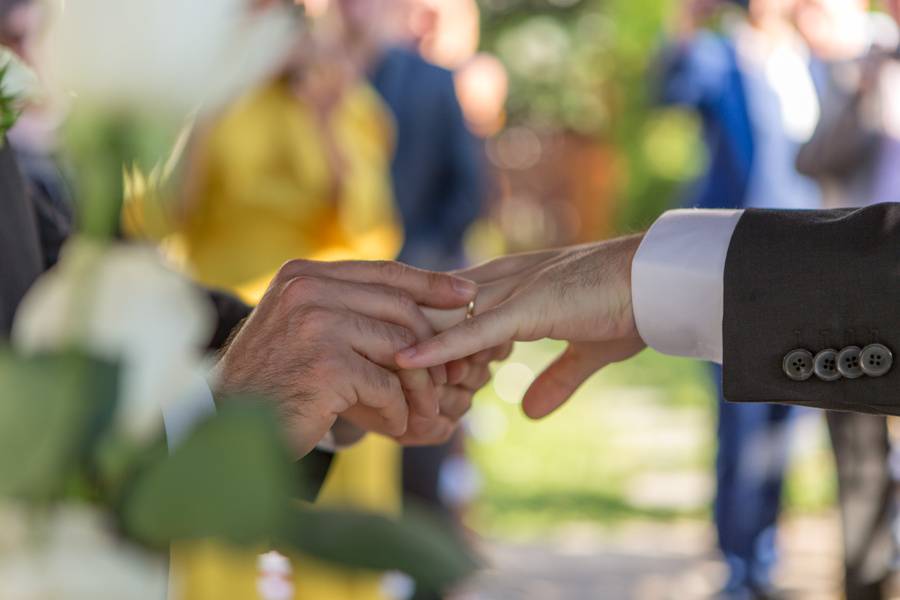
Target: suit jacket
x,y
33,229
22,258
31,234
812,280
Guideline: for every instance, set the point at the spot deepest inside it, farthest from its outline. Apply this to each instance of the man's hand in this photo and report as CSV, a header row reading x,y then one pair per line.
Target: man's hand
x,y
322,343
580,294
465,378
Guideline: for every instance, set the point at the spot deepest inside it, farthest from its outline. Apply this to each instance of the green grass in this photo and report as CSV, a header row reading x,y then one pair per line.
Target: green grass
x,y
637,441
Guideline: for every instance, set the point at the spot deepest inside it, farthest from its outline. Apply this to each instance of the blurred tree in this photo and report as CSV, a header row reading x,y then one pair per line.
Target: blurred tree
x,y
586,67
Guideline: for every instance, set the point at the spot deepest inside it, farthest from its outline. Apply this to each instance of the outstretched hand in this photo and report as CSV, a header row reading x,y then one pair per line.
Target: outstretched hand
x,y
580,294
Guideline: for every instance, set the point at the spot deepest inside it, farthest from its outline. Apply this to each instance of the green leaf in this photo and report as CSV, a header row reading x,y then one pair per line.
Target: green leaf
x,y
51,407
117,459
417,545
230,480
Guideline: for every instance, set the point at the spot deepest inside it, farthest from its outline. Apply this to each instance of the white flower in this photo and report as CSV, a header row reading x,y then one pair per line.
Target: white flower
x,y
19,81
72,555
165,56
121,304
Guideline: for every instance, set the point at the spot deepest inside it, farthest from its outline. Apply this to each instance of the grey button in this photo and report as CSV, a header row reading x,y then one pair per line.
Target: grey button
x,y
848,362
876,360
798,364
825,365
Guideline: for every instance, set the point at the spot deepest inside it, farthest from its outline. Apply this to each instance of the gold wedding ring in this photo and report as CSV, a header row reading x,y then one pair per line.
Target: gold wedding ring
x,y
470,310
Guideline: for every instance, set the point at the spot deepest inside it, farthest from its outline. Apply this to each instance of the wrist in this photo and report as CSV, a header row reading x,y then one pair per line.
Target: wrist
x,y
631,244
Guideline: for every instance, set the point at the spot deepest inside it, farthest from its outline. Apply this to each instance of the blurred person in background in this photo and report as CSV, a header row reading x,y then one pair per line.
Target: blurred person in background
x,y
298,169
853,152
438,182
754,93
438,186
855,157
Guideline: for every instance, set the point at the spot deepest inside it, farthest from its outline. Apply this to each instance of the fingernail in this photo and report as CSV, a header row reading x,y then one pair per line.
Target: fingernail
x,y
465,287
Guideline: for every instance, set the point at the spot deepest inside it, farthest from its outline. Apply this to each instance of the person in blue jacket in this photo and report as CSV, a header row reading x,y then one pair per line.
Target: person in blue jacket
x,y
752,90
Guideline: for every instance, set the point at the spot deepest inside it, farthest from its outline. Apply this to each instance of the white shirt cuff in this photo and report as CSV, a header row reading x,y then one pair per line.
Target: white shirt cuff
x,y
677,282
180,418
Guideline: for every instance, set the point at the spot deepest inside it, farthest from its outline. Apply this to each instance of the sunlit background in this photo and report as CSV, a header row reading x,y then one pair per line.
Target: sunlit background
x,y
611,497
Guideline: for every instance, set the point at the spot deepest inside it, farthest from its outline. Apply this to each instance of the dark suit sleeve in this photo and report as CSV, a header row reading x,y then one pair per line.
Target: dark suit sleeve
x,y
312,470
230,312
812,280
54,226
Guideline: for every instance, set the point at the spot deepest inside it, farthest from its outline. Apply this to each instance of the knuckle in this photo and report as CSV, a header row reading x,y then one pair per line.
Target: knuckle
x,y
444,434
290,269
300,289
398,427
416,426
390,270
403,338
314,320
482,380
405,303
387,387
465,404
435,281
396,336
341,403
461,402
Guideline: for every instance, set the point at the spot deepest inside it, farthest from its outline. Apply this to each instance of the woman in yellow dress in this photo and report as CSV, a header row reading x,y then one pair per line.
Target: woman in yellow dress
x,y
296,169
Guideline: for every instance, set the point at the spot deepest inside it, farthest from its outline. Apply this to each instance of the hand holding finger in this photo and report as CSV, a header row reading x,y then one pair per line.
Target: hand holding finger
x,y
427,432
439,290
477,377
376,340
420,392
494,328
378,389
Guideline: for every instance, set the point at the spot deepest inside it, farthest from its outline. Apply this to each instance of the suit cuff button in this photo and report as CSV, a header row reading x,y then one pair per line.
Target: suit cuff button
x,y
798,364
848,362
876,360
825,365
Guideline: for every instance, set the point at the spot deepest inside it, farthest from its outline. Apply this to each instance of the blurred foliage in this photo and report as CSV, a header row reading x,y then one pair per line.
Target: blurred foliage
x,y
99,147
586,66
231,480
636,442
52,408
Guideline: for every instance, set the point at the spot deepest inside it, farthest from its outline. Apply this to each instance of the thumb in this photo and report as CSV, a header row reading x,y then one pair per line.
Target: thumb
x,y
561,379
